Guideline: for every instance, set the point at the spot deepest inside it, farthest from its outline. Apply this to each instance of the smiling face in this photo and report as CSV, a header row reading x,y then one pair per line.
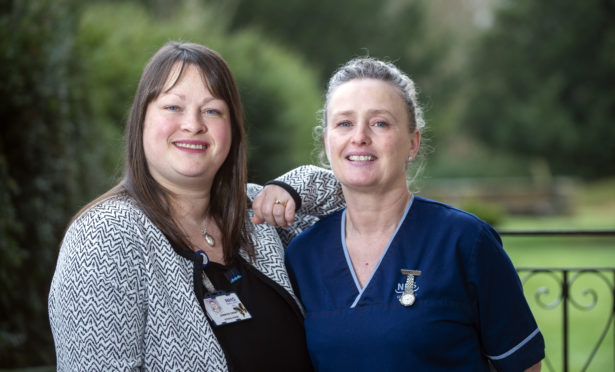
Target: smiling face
x,y
186,133
367,138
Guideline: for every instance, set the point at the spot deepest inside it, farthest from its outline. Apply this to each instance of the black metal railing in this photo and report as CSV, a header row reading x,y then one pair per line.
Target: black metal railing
x,y
572,289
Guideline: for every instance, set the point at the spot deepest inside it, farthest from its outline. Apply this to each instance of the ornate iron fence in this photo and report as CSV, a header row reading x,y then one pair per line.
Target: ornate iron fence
x,y
573,289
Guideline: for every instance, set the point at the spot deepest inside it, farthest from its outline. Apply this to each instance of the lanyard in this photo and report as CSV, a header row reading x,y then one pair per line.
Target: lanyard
x,y
206,281
222,307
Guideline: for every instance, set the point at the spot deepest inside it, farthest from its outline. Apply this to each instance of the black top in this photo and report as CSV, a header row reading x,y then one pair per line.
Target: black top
x,y
274,339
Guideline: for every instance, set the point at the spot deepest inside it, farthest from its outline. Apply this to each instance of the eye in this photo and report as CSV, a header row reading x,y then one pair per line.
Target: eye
x,y
344,124
171,108
211,112
381,124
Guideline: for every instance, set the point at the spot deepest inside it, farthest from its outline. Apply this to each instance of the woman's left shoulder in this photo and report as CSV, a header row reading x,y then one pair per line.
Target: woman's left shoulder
x,y
448,214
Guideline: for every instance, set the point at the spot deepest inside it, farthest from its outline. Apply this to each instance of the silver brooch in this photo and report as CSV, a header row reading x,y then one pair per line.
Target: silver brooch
x,y
407,298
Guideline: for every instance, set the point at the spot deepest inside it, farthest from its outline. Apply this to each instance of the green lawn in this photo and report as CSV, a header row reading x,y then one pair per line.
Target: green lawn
x,y
593,294
585,325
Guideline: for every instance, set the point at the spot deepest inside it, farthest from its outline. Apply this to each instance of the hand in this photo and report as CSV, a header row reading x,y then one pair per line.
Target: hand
x,y
275,206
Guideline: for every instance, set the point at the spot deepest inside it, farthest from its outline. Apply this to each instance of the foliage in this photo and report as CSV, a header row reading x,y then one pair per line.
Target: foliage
x,y
543,80
331,32
47,166
280,97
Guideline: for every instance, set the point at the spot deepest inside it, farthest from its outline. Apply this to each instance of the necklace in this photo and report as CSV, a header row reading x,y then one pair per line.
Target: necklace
x,y
208,238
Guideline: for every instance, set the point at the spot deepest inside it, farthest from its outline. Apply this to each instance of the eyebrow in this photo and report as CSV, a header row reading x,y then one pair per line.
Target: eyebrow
x,y
168,93
381,111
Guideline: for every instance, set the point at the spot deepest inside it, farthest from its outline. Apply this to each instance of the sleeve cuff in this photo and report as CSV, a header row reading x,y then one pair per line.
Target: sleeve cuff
x,y
293,193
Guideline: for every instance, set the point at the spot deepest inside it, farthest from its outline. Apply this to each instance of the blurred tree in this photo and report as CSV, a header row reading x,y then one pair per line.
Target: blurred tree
x,y
48,165
328,33
542,84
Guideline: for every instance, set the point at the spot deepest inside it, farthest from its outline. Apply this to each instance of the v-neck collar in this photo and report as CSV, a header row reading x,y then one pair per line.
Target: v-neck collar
x,y
347,255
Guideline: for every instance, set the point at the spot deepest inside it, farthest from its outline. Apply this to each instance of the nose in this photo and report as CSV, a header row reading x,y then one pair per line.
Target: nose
x,y
360,135
193,122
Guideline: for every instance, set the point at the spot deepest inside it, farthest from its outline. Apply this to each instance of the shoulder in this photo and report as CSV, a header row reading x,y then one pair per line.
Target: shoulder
x,y
115,224
465,232
438,209
107,242
116,212
448,217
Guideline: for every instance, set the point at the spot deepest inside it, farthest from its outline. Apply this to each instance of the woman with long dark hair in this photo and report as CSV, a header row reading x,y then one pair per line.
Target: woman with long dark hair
x,y
165,271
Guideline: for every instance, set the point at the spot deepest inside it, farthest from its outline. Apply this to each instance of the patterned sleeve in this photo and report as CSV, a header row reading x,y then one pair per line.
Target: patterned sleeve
x,y
319,190
97,297
320,193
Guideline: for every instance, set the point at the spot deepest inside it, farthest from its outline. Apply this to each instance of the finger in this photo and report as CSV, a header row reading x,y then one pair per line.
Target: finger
x,y
257,204
279,214
267,212
257,220
289,214
264,208
269,209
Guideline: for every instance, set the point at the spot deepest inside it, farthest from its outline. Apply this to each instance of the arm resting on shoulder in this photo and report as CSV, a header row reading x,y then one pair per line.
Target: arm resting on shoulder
x,y
318,188
307,192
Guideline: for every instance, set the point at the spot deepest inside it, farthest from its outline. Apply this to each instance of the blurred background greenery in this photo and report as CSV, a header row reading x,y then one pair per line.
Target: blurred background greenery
x,y
518,95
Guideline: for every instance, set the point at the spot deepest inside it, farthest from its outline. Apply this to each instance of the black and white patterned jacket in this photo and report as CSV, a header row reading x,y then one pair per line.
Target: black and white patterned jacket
x,y
122,299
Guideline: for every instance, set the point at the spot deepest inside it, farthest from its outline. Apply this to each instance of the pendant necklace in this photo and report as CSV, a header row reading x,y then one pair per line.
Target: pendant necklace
x,y
208,238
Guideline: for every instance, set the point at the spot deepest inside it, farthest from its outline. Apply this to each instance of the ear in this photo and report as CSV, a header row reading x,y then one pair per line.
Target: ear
x,y
326,145
415,143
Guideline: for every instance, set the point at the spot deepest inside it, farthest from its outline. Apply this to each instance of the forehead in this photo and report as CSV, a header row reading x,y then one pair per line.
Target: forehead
x,y
179,71
360,94
365,91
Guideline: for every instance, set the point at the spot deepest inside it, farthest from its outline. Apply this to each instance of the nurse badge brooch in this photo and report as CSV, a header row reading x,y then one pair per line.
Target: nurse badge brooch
x,y
407,298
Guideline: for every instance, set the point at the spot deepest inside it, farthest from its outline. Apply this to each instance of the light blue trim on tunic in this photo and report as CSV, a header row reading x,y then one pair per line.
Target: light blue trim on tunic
x,y
349,262
520,345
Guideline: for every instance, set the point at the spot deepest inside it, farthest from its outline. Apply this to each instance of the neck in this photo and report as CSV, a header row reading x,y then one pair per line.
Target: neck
x,y
189,200
191,214
190,207
371,213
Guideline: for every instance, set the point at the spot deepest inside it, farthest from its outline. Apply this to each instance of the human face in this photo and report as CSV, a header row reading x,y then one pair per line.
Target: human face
x,y
368,140
187,133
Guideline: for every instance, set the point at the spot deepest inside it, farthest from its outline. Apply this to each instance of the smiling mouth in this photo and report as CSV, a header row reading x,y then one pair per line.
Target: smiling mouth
x,y
361,158
192,146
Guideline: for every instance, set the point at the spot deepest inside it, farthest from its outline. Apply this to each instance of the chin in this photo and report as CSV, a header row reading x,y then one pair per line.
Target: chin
x,y
353,183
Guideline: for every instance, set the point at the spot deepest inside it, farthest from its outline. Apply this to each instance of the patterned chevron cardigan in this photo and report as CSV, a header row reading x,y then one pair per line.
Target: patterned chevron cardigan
x,y
122,299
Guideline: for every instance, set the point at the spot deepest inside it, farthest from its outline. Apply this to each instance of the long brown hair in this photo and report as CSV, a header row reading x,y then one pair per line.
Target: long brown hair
x,y
228,198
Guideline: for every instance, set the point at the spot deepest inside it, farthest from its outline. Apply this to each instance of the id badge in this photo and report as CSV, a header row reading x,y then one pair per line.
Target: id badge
x,y
225,308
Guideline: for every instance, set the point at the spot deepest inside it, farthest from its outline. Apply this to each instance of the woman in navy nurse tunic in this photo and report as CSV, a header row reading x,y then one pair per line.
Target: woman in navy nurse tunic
x,y
396,281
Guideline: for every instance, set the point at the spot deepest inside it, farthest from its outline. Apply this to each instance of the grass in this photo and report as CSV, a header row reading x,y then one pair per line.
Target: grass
x,y
587,320
593,294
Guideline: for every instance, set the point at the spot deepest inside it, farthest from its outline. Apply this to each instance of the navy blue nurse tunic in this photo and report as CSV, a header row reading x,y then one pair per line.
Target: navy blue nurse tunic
x,y
469,310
